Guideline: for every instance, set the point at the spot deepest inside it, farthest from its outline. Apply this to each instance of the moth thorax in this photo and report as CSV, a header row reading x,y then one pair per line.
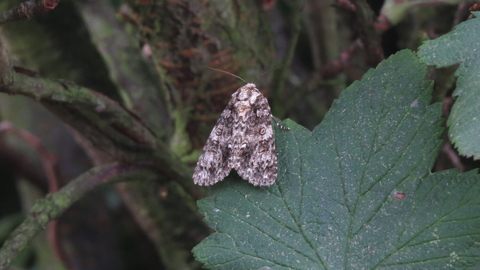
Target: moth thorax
x,y
242,107
244,94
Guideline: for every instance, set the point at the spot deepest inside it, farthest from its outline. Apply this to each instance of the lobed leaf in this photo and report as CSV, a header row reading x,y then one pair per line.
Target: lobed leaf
x,y
356,193
461,47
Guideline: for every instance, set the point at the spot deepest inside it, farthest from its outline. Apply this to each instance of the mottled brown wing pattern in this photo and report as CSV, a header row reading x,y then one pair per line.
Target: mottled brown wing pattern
x,y
242,140
212,166
258,160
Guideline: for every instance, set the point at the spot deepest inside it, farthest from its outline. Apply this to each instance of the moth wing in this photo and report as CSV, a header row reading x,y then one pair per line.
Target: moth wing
x,y
258,163
213,165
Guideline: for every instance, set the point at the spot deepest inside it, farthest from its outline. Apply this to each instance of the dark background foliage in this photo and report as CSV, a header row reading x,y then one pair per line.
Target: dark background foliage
x,y
125,83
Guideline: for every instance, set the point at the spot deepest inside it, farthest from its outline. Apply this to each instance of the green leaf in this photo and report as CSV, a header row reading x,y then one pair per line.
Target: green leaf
x,y
461,46
396,10
337,203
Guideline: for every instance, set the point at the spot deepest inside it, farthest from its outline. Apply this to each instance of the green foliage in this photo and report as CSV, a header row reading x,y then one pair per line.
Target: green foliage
x,y
337,203
461,47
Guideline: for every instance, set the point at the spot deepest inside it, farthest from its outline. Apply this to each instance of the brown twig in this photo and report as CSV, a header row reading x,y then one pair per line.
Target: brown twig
x,y
110,127
369,35
453,156
337,66
27,10
345,5
21,164
108,124
49,162
52,206
369,29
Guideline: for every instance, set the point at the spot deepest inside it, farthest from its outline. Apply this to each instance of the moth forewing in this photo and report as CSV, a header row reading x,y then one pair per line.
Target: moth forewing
x,y
242,139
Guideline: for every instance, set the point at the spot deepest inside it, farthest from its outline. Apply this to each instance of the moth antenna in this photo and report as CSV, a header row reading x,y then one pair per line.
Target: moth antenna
x,y
238,77
265,72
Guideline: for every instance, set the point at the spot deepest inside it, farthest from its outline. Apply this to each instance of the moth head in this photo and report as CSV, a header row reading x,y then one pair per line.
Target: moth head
x,y
247,91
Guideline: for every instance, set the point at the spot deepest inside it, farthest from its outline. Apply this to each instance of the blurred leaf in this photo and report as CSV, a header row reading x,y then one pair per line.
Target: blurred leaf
x,y
9,223
396,10
461,47
356,193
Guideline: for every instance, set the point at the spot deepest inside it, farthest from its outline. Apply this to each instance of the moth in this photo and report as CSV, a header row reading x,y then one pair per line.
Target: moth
x,y
243,140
